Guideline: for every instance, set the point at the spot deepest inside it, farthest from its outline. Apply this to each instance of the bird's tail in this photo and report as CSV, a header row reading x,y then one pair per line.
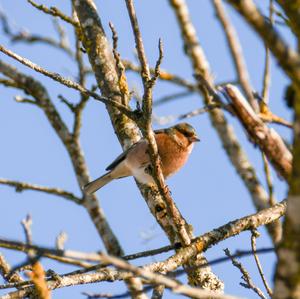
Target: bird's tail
x,y
98,183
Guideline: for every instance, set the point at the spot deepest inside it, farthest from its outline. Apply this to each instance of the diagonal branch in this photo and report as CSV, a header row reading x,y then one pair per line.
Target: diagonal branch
x,y
246,277
287,58
152,278
67,82
200,244
236,53
164,75
267,139
55,12
229,140
20,186
205,241
5,271
254,235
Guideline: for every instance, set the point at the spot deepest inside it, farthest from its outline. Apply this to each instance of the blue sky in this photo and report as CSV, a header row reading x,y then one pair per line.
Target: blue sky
x,y
207,190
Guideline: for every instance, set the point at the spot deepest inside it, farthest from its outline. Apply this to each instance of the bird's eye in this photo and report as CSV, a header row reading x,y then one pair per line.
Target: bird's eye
x,y
189,134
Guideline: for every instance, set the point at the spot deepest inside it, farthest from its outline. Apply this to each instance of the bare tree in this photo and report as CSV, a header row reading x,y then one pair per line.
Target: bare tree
x,y
103,76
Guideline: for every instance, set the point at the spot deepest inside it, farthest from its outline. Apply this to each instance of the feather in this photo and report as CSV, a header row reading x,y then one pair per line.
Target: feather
x,y
93,186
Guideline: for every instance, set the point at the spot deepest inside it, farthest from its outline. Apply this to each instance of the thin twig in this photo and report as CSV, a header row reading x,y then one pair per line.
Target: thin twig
x,y
169,283
236,53
270,185
53,11
163,120
268,117
158,62
254,235
26,37
5,271
246,277
63,38
49,252
69,83
20,186
288,59
24,100
60,240
8,83
277,229
164,75
37,273
26,224
198,245
267,69
171,97
78,109
98,295
120,67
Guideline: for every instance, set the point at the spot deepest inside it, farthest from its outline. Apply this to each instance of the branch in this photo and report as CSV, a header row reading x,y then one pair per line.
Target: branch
x,y
171,97
164,75
151,277
246,277
233,228
55,12
122,80
228,138
67,82
205,241
26,37
51,253
20,186
287,58
78,109
162,120
254,235
158,279
267,139
5,271
267,69
200,244
236,53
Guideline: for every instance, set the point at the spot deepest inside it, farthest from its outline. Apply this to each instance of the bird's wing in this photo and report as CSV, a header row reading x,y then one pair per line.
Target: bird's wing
x,y
120,158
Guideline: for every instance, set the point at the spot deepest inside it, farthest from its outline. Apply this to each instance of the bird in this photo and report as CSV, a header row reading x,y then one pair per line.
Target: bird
x,y
174,146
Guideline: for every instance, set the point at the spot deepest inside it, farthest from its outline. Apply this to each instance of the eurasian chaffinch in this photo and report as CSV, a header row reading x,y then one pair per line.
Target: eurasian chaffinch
x,y
174,147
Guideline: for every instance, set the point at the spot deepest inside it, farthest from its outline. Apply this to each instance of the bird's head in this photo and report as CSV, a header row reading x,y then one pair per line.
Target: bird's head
x,y
188,131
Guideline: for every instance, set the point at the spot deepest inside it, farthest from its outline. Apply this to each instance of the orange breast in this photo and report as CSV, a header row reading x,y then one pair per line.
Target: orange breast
x,y
173,156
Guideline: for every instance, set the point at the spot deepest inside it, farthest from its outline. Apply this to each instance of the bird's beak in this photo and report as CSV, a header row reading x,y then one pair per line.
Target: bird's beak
x,y
195,139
